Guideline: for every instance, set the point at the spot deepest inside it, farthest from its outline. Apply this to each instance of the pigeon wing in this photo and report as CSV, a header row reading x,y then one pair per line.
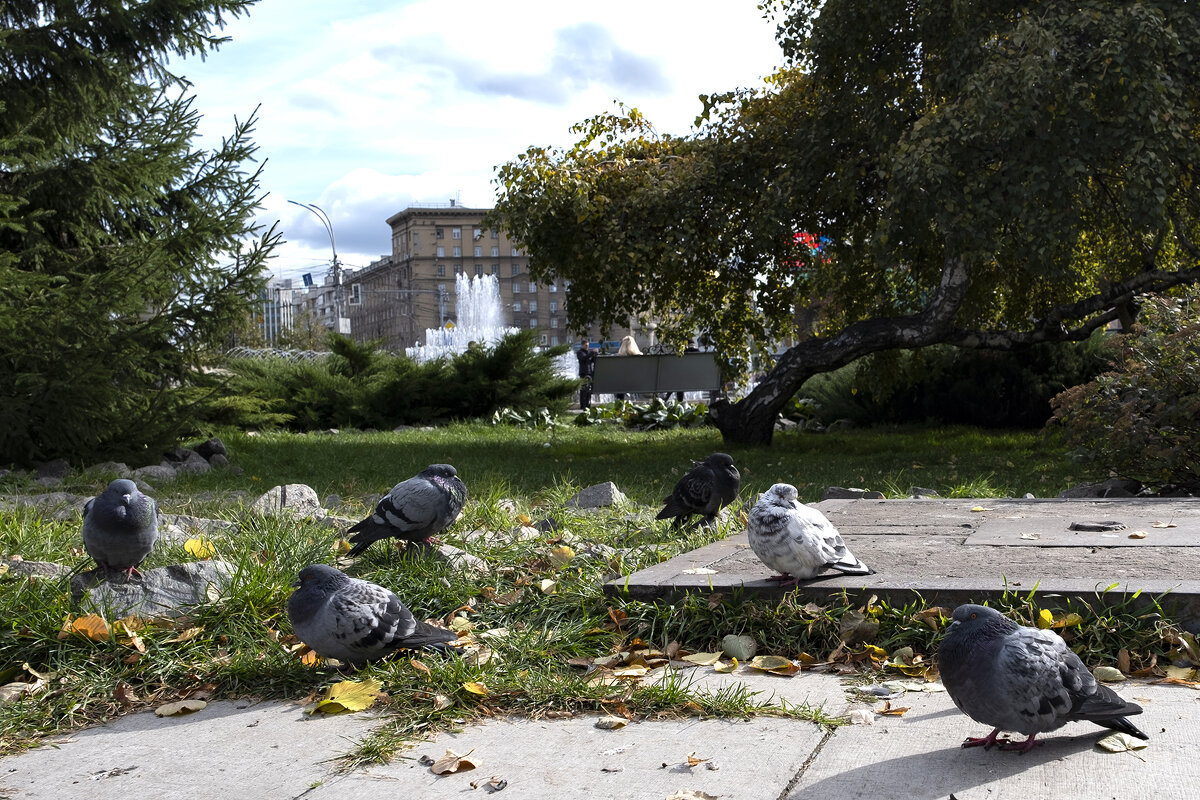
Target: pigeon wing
x,y
691,495
409,511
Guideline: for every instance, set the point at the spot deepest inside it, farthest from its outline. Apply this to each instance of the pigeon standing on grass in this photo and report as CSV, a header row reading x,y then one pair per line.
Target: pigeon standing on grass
x,y
797,540
414,510
355,621
710,485
120,526
1022,679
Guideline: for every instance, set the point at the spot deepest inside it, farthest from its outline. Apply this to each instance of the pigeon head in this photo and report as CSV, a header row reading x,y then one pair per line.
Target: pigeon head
x,y
972,620
123,501
439,471
721,460
321,576
783,494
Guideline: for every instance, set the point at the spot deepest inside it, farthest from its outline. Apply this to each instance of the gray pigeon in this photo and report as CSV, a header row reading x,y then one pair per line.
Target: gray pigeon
x,y
1022,679
120,526
711,484
355,621
414,510
797,540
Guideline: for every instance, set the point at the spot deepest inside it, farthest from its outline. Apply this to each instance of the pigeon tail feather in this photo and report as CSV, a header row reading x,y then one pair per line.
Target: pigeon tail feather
x,y
429,637
851,568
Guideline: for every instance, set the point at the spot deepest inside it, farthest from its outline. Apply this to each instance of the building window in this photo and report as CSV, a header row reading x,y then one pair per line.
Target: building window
x,y
553,306
479,252
515,252
478,233
442,288
495,234
441,252
553,340
532,305
495,252
533,322
458,269
479,270
554,323
441,270
441,234
553,287
495,269
516,287
458,252
416,241
456,233
516,269
516,305
532,287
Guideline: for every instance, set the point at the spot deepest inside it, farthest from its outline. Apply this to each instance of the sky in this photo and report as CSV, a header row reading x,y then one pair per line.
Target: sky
x,y
366,107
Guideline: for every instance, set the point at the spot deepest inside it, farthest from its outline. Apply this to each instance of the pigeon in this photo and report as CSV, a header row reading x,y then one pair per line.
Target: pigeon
x,y
120,526
414,510
355,621
711,484
797,540
1022,679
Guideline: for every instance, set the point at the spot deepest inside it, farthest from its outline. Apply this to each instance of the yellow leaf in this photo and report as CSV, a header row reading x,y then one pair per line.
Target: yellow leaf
x,y
179,708
981,508
341,547
694,760
1045,619
724,667
611,723
1121,743
130,637
875,652
703,659
631,671
348,696
476,687
776,665
199,547
1108,674
190,633
310,658
1181,673
561,556
460,624
1067,621
524,519
547,586
453,762
419,665
91,627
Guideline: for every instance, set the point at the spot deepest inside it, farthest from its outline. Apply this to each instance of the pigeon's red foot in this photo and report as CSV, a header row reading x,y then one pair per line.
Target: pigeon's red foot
x,y
1021,747
986,742
787,580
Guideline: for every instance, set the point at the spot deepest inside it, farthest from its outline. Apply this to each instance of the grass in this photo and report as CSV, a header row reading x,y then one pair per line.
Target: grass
x,y
239,646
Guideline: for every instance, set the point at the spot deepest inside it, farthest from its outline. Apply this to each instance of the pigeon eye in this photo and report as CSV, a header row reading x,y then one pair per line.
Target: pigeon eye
x,y
974,615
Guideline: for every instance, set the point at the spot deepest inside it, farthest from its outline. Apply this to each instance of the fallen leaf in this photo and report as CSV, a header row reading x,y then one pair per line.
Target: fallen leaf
x,y
692,794
862,716
187,635
561,556
1033,537
476,687
632,671
199,548
1178,682
694,760
725,667
179,708
418,665
492,784
11,691
776,665
888,711
453,762
341,547
1181,673
310,658
1121,743
1045,619
524,519
1164,525
1108,674
703,659
1123,660
611,723
981,508
1137,535
348,696
547,586
460,624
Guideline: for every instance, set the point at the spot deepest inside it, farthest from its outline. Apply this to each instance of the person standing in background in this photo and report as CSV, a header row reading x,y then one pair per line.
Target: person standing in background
x,y
587,368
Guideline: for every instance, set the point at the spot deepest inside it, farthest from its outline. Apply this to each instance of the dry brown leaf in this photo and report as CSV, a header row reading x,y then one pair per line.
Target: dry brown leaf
x,y
453,762
776,665
91,627
692,794
1123,660
187,635
694,760
888,711
179,708
441,702
1164,525
611,723
493,784
124,694
418,665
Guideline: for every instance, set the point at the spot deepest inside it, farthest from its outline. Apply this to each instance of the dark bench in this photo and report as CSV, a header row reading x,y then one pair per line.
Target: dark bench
x,y
691,372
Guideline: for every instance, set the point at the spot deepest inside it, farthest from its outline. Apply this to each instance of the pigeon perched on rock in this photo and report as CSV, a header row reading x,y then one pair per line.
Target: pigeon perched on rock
x,y
1022,679
414,510
120,526
711,484
797,540
355,621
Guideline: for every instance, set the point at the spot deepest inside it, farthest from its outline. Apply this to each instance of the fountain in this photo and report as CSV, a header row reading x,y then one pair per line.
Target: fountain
x,y
479,319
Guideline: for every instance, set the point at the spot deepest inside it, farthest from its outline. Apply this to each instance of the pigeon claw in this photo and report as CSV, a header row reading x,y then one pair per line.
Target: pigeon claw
x,y
786,580
986,742
1021,747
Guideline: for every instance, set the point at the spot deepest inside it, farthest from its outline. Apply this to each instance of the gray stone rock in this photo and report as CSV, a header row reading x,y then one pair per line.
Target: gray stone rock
x,y
154,474
170,591
111,467
4,472
212,447
920,491
41,569
296,499
58,468
49,481
194,463
600,495
458,559
841,493
740,647
216,460
1113,487
332,501
784,424
840,425
177,455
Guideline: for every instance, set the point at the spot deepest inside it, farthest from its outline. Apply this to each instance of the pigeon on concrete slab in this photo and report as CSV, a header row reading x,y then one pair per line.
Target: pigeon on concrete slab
x,y
414,510
356,621
797,540
710,485
120,526
1022,679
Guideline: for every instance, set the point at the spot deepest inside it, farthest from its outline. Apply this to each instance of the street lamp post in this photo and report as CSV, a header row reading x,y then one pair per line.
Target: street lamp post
x,y
320,214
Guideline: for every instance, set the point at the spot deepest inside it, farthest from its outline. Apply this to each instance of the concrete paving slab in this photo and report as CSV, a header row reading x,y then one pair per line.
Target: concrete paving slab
x,y
754,759
822,690
919,755
922,547
272,751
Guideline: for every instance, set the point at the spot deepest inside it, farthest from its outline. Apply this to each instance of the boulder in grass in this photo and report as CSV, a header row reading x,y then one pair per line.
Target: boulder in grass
x,y
171,591
296,499
600,495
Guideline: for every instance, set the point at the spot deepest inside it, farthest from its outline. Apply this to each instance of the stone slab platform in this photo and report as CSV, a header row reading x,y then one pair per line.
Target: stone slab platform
x,y
948,552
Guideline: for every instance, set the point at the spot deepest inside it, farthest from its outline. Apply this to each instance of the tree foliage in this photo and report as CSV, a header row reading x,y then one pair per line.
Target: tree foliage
x,y
125,253
974,173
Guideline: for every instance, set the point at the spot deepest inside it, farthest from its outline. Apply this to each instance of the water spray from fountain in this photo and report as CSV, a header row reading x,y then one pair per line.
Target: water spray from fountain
x,y
479,318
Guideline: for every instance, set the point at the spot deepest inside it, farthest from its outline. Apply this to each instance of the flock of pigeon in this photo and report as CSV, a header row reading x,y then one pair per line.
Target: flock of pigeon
x,y
998,673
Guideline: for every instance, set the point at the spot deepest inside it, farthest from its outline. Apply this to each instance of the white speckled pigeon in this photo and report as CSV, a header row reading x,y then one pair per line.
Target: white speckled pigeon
x,y
711,484
1022,679
414,510
795,539
355,621
120,526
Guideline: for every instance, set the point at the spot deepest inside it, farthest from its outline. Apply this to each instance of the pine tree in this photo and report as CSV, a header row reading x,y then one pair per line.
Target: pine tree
x,y
126,255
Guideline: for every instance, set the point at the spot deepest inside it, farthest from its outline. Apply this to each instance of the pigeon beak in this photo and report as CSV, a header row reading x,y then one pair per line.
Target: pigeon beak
x,y
296,583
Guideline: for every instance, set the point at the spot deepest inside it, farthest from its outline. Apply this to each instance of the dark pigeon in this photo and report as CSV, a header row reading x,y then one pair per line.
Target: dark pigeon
x,y
797,540
414,510
1022,679
120,526
710,485
356,621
